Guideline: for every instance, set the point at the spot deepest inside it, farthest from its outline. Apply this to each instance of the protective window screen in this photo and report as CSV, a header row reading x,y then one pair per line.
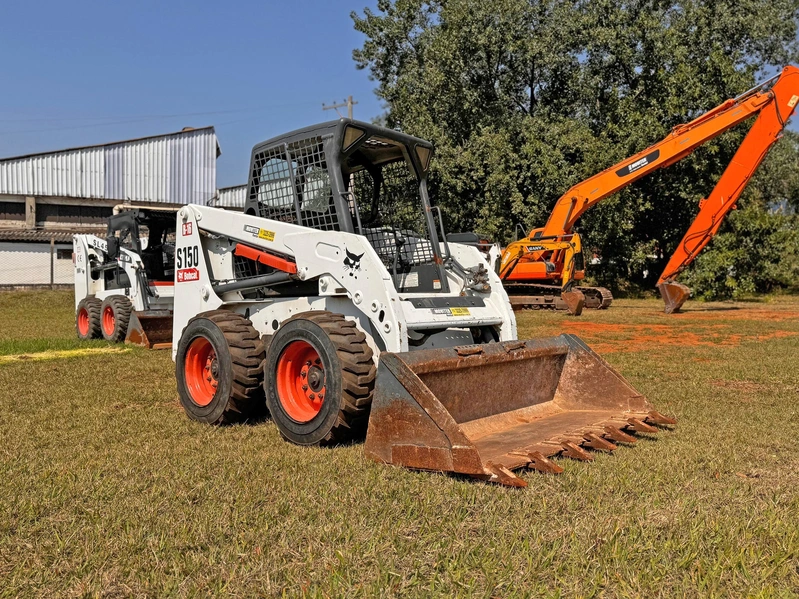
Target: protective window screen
x,y
291,184
126,239
391,215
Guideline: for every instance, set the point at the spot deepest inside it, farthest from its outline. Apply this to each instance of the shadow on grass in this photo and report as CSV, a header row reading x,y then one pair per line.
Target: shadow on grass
x,y
709,309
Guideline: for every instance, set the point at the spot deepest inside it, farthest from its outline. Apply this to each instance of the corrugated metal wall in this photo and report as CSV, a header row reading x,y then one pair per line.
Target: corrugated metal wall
x,y
232,197
179,168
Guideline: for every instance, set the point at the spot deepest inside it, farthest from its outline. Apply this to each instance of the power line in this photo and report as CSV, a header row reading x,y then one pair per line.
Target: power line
x,y
349,103
142,119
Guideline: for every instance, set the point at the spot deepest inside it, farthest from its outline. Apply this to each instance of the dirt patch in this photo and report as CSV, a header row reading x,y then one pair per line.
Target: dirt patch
x,y
748,387
742,314
633,338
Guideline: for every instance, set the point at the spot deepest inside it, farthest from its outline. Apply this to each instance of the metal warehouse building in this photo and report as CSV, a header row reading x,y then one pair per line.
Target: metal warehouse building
x,y
231,197
46,198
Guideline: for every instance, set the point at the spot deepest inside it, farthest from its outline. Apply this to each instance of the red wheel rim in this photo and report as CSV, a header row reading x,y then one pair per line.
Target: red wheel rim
x,y
83,321
201,370
300,381
109,321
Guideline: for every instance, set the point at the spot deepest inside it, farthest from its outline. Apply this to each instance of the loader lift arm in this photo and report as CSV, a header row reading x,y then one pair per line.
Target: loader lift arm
x,y
773,101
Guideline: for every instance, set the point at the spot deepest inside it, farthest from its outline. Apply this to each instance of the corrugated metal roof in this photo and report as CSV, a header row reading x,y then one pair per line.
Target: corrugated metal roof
x,y
178,168
231,197
43,235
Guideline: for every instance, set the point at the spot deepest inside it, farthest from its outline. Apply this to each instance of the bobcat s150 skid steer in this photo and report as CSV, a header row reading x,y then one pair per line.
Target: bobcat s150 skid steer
x,y
335,300
124,283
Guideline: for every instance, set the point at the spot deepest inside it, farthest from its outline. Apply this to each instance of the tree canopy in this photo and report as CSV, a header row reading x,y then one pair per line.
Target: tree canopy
x,y
525,98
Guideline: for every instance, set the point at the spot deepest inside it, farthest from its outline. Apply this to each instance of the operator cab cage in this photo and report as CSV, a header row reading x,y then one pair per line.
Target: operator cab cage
x,y
148,233
357,178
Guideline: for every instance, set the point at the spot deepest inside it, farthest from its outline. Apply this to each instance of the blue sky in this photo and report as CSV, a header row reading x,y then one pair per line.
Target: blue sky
x,y
84,72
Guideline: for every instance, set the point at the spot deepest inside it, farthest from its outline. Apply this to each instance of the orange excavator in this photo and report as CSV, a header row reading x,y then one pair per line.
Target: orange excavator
x,y
531,267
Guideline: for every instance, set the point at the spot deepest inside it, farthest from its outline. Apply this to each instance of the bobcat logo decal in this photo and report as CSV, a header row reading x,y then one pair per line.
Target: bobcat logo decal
x,y
352,262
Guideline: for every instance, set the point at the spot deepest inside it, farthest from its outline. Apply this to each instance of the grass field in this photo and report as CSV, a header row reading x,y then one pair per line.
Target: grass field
x,y
107,489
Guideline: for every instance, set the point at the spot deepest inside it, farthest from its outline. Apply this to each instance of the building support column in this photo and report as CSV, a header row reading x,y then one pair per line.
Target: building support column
x,y
30,212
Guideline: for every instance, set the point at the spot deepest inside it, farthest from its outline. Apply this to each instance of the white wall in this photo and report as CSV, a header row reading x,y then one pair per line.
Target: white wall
x,y
29,264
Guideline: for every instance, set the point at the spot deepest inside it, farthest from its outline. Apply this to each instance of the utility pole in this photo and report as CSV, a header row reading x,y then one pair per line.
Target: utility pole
x,y
349,103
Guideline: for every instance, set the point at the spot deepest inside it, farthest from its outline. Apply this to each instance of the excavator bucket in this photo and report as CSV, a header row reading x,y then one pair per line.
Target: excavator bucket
x,y
674,295
574,300
487,410
151,329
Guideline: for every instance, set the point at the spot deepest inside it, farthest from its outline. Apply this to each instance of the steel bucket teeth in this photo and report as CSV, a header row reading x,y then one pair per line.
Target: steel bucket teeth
x,y
575,452
599,443
656,417
491,409
619,436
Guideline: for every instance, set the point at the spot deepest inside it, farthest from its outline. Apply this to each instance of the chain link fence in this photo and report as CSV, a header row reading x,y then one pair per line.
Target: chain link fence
x,y
33,260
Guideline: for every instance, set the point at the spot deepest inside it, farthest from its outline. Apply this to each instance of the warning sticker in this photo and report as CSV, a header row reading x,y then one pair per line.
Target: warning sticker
x,y
792,101
268,235
452,311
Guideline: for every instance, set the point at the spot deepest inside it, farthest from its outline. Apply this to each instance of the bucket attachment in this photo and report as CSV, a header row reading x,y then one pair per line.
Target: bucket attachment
x,y
151,329
486,410
674,295
574,300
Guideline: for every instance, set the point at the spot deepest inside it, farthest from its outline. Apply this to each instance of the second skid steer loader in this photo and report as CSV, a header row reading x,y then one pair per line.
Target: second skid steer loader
x,y
124,282
336,301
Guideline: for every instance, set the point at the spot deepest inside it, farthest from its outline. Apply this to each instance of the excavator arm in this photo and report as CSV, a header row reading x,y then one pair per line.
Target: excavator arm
x,y
774,101
765,132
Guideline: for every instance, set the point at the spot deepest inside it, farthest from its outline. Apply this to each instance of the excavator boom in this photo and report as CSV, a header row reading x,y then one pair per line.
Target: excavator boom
x,y
765,131
773,101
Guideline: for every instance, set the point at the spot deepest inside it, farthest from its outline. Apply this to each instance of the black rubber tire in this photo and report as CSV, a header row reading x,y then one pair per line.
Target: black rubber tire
x,y
92,306
349,378
122,310
240,354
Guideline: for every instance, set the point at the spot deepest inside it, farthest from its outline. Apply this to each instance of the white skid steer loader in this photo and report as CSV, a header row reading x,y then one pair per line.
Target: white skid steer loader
x,y
335,301
124,283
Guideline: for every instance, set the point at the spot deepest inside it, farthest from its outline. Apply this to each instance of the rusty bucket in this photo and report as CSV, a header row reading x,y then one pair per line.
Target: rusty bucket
x,y
574,300
151,329
674,295
486,410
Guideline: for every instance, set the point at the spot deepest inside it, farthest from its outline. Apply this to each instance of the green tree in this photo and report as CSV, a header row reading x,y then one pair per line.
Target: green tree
x,y
525,98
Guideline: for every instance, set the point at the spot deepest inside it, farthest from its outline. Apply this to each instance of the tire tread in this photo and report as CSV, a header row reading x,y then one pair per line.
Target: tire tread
x,y
247,359
358,373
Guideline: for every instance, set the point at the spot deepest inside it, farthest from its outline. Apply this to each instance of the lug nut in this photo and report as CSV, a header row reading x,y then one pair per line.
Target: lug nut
x,y
305,387
312,396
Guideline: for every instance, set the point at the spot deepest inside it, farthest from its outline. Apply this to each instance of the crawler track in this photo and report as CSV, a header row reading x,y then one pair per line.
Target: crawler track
x,y
537,297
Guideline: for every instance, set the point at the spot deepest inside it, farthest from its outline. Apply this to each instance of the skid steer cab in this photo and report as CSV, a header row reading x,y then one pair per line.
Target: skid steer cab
x,y
124,283
336,302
